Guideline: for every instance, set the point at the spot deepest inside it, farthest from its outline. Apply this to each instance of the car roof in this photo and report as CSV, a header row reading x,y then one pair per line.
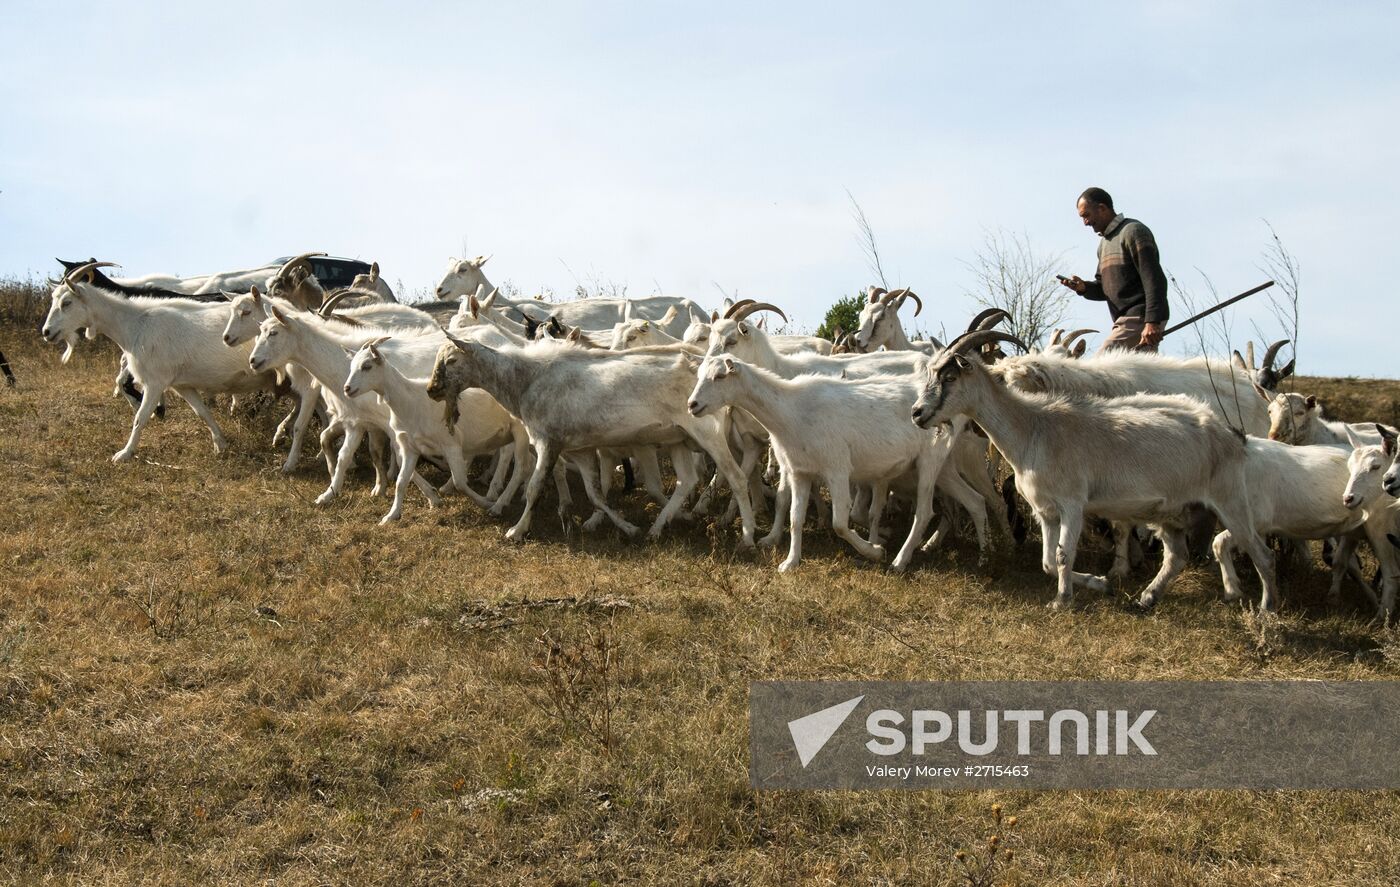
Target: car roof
x,y
285,259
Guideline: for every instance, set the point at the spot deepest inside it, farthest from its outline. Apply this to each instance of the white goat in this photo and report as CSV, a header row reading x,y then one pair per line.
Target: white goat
x,y
1297,419
481,426
861,437
1062,345
168,343
372,281
1227,391
319,345
1295,492
463,277
736,336
1364,494
577,401
879,323
1141,459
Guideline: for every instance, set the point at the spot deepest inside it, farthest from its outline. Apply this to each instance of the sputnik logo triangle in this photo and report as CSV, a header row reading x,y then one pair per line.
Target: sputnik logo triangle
x,y
811,732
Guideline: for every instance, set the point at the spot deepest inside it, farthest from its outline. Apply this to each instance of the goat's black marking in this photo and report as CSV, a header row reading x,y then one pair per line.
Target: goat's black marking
x,y
5,368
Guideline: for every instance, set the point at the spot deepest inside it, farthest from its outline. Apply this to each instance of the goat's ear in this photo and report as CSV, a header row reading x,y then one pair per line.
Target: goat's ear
x,y
1387,439
670,315
1356,442
1080,348
1311,401
277,313
960,362
373,270
744,328
1237,361
689,362
461,344
575,334
1262,391
350,352
646,324
1287,370
728,365
714,317
490,297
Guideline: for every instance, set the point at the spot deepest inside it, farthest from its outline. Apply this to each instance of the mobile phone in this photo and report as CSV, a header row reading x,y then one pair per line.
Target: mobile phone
x,y
1061,278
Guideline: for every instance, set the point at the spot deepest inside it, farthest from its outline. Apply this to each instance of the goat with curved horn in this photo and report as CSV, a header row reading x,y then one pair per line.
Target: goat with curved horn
x,y
1272,353
729,312
988,318
1068,340
749,306
332,299
978,338
906,293
86,269
303,260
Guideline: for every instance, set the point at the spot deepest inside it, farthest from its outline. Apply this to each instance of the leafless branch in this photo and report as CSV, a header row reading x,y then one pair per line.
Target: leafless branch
x,y
1012,275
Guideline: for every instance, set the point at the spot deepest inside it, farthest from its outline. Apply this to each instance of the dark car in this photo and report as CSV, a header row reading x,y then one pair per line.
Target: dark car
x,y
330,271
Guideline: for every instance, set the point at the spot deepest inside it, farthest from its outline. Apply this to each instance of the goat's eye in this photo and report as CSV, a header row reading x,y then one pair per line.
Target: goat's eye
x,y
365,366
66,303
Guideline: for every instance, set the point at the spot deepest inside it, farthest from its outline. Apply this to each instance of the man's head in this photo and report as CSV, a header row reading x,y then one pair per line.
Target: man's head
x,y
1096,209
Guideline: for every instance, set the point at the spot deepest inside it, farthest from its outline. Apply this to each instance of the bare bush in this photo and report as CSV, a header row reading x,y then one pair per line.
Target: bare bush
x,y
1011,274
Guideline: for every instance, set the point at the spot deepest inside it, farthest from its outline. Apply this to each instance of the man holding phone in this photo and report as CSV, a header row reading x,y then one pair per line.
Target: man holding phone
x,y
1130,277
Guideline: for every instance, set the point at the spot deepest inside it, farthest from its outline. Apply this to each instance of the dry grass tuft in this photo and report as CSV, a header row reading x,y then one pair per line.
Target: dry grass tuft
x,y
206,678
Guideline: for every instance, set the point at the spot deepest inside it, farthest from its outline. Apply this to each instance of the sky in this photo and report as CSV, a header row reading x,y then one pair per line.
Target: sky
x,y
694,148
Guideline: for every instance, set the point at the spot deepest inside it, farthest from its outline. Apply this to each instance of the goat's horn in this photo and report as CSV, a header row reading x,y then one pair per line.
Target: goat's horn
x,y
1269,355
980,321
874,292
734,308
1249,354
332,300
1055,335
978,338
988,319
296,262
1069,340
918,303
86,268
753,306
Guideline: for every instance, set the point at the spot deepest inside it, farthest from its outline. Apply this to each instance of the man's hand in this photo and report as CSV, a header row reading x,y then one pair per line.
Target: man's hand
x,y
1075,283
1151,335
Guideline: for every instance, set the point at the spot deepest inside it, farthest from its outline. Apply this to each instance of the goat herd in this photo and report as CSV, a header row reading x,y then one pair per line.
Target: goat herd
x,y
1138,439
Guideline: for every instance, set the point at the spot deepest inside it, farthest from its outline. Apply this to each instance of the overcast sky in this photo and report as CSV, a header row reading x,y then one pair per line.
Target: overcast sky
x,y
680,146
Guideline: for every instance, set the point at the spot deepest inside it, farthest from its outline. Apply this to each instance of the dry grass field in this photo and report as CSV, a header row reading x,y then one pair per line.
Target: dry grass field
x,y
204,678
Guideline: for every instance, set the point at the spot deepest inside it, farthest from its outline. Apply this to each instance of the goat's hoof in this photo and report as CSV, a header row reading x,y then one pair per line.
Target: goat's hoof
x,y
515,536
787,566
1096,583
746,544
123,456
388,519
877,554
1060,605
220,447
1146,603
288,468
898,565
629,530
767,542
1230,597
325,497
